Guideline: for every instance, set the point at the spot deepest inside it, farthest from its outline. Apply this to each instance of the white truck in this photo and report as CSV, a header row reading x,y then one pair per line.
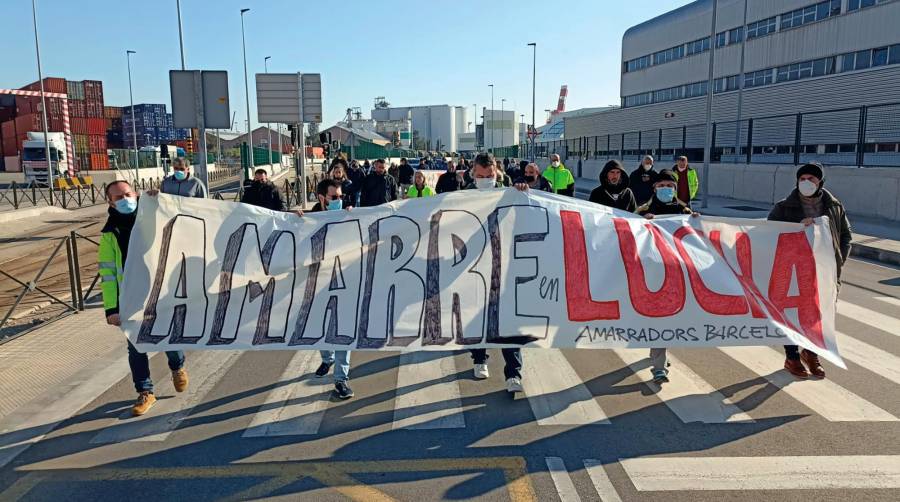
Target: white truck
x,y
34,157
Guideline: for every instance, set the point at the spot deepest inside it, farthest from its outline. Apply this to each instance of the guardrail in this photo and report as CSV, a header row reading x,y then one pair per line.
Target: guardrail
x,y
289,190
33,194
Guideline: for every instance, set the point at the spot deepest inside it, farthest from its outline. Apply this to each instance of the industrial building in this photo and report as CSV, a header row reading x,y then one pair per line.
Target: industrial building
x,y
434,127
836,62
501,128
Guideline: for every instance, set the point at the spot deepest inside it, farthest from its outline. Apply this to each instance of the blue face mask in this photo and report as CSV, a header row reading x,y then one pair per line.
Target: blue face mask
x,y
180,175
126,205
336,204
665,194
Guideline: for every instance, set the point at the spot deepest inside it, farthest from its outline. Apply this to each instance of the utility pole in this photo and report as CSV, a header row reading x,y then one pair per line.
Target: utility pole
x,y
246,175
137,158
37,47
492,116
533,88
740,82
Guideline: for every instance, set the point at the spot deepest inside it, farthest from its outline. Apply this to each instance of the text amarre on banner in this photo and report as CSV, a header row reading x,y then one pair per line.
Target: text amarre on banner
x,y
471,269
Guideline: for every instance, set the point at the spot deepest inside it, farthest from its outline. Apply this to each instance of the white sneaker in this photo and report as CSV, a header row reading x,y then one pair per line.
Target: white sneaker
x,y
481,371
514,385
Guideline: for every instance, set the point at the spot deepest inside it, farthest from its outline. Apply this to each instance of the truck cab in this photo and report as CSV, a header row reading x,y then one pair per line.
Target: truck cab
x,y
34,157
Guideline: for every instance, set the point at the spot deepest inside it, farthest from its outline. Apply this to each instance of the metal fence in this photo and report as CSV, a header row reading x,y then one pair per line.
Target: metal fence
x,y
32,194
865,136
47,281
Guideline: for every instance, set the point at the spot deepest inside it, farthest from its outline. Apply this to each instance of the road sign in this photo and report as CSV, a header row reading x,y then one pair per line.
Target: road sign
x,y
311,89
278,98
191,88
289,98
533,133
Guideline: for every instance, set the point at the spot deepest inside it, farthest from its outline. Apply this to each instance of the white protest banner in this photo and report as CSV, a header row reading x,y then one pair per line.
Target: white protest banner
x,y
471,269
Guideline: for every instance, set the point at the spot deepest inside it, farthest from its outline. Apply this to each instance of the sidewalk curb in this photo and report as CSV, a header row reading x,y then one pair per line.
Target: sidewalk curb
x,y
21,214
857,250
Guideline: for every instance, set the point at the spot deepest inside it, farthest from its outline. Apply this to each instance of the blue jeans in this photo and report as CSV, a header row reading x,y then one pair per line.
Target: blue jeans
x,y
140,367
342,358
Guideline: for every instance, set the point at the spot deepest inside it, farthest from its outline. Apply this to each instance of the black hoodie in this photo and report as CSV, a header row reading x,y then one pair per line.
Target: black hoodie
x,y
616,196
641,184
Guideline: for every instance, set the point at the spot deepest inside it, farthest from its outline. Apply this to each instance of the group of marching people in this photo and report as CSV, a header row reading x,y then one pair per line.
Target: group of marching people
x,y
645,191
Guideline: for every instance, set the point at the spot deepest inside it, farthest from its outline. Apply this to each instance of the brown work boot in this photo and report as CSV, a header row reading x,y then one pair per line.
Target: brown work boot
x,y
796,368
811,360
180,379
144,402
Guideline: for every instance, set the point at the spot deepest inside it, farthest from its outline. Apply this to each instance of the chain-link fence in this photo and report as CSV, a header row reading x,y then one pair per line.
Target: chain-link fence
x,y
863,136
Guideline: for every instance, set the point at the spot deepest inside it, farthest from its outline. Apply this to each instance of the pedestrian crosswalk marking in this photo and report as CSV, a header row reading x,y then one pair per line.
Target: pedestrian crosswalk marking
x,y
872,358
874,319
828,399
602,484
764,473
687,394
890,300
556,393
205,370
561,480
428,394
297,404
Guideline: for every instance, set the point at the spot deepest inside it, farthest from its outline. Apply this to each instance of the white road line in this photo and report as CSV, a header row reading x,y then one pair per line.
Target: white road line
x,y
687,394
31,422
556,394
872,358
602,484
205,369
828,399
438,404
561,480
874,319
297,405
814,472
890,300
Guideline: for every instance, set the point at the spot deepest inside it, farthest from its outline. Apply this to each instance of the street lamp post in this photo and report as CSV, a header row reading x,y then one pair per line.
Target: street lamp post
x,y
268,125
502,129
37,48
522,121
246,174
707,147
137,175
533,87
180,33
492,116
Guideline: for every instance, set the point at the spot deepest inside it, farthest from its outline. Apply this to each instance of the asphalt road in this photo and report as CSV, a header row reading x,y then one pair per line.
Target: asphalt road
x,y
730,426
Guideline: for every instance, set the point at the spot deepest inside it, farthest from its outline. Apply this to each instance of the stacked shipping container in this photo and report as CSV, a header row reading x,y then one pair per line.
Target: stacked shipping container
x,y
113,116
152,125
86,114
21,114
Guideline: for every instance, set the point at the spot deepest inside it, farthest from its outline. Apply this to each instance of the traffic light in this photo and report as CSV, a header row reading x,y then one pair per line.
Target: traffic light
x,y
326,149
164,151
325,137
293,134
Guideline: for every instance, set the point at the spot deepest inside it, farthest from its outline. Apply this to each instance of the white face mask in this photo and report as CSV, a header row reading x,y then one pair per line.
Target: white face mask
x,y
807,188
555,163
484,183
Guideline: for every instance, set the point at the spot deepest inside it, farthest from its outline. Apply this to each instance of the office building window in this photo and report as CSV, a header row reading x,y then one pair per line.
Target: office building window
x,y
638,99
810,14
698,46
670,94
894,57
667,55
863,60
721,39
725,84
761,28
862,4
758,78
695,89
880,56
805,69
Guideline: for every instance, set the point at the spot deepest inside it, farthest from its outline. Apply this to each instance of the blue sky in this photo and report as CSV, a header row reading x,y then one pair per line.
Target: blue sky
x,y
411,52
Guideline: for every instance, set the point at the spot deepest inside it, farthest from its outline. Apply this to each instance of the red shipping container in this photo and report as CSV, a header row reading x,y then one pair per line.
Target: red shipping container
x,y
112,112
76,108
79,125
96,126
51,84
99,161
8,129
93,89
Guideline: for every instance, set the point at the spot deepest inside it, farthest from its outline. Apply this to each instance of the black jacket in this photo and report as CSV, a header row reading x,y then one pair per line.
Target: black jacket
x,y
448,182
615,196
355,176
405,174
659,208
543,184
641,184
790,210
264,195
377,189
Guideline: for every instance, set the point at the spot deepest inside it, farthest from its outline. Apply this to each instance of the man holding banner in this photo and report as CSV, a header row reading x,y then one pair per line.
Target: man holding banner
x,y
807,201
